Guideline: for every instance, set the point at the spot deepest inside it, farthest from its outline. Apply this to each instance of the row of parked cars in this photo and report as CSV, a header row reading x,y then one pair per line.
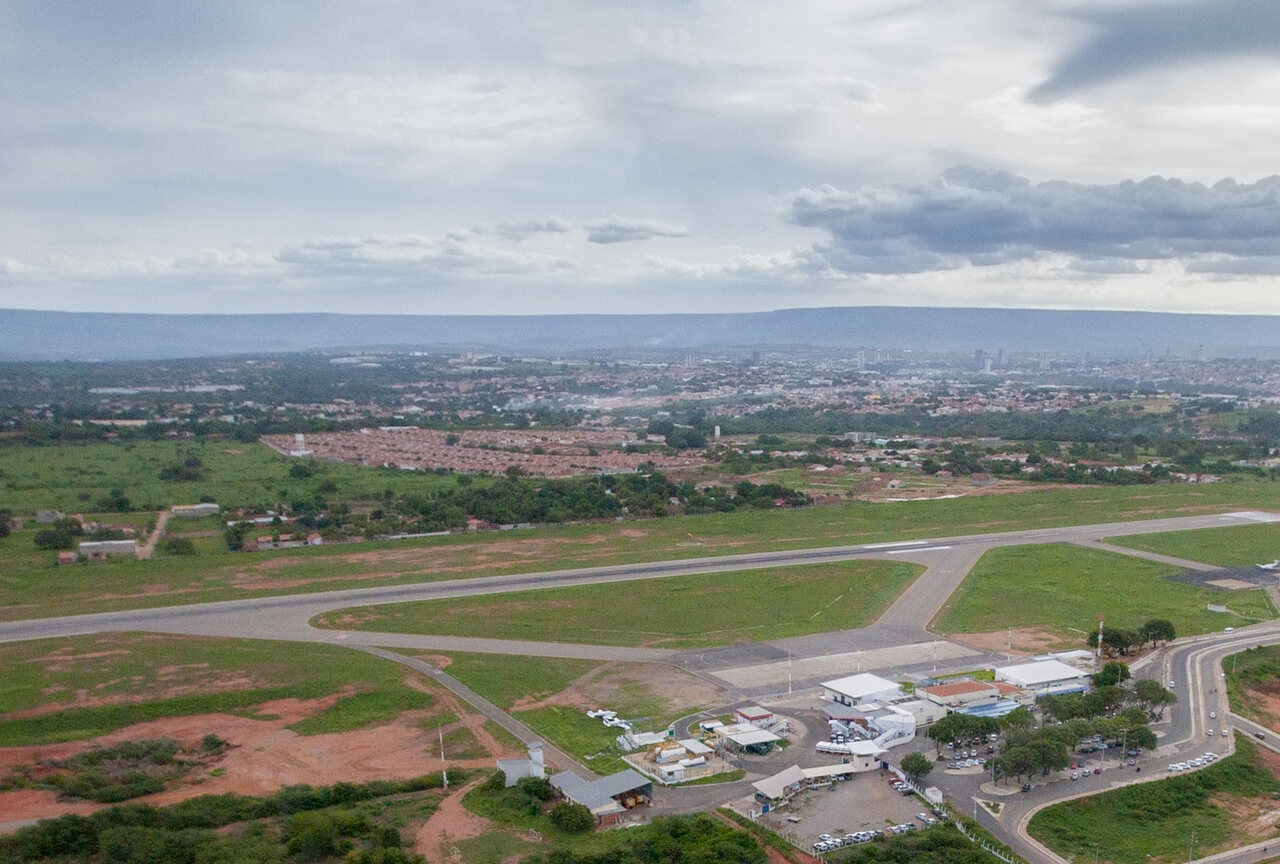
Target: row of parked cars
x,y
979,762
827,842
1198,762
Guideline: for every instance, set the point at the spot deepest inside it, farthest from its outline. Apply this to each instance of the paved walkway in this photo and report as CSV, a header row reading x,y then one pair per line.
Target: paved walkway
x,y
485,707
146,550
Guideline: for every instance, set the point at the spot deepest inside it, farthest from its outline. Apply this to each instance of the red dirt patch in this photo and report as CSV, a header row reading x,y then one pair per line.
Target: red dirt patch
x,y
450,823
264,755
1026,640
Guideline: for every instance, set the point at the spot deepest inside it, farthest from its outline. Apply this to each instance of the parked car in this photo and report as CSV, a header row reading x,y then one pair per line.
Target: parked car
x,y
1075,775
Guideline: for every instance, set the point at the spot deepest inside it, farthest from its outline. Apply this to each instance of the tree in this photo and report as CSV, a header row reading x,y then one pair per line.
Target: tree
x,y
1157,630
235,534
1111,675
1152,697
1141,738
1018,718
916,766
574,818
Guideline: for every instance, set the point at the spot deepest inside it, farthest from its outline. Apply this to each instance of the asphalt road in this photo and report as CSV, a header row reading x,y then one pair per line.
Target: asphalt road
x,y
1194,667
905,623
286,616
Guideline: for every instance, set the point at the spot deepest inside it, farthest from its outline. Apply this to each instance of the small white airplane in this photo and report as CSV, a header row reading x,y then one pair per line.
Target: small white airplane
x,y
1270,566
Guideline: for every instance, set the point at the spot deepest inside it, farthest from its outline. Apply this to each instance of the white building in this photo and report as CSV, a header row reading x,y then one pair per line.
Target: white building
x,y
861,688
195,511
515,769
1045,677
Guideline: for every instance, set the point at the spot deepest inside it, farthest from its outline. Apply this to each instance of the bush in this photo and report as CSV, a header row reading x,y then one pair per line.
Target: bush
x,y
571,818
178,546
536,787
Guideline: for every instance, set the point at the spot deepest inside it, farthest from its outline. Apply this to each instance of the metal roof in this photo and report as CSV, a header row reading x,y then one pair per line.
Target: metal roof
x,y
1040,672
860,686
779,784
594,794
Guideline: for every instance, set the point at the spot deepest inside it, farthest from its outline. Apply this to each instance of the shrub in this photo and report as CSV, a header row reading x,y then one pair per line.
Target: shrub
x,y
571,818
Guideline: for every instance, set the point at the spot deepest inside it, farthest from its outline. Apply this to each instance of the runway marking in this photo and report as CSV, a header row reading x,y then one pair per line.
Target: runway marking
x,y
899,543
1254,516
925,549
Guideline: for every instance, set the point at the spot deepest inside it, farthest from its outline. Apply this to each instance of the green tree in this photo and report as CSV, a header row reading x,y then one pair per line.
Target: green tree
x,y
1111,675
1152,697
572,818
1158,630
916,766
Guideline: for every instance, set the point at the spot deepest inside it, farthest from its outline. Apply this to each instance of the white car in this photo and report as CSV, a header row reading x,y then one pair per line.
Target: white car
x,y
1222,732
1213,715
1175,767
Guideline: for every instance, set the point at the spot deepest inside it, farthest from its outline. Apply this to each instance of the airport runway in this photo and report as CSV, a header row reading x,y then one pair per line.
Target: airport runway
x,y
899,639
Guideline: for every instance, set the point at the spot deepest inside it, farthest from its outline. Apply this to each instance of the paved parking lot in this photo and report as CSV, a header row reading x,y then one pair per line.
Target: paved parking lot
x,y
860,804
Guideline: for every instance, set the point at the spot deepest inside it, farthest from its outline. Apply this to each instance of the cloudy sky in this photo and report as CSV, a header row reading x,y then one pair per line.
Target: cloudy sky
x,y
645,156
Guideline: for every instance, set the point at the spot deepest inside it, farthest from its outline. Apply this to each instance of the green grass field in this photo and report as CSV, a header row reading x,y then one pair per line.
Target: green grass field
x,y
71,477
505,680
32,587
673,612
509,681
1232,546
84,686
1064,589
1158,822
1253,682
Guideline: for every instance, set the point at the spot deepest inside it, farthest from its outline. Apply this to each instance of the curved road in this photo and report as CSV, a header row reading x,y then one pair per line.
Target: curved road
x,y
898,638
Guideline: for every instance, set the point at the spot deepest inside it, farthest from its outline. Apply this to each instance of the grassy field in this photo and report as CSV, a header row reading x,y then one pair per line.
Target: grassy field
x,y
72,477
1233,546
674,612
528,687
28,591
83,686
1155,822
1063,589
1253,684
504,681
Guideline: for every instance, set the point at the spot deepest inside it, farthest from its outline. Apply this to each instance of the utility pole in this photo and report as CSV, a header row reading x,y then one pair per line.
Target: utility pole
x,y
1191,846
444,769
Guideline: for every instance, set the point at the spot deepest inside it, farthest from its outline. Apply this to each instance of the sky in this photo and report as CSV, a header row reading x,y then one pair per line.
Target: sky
x,y
554,157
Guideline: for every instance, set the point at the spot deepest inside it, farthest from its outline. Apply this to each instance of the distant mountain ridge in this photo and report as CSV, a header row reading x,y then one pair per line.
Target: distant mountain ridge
x,y
41,335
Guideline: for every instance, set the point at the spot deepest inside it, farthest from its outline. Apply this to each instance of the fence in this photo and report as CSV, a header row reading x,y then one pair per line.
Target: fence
x,y
988,847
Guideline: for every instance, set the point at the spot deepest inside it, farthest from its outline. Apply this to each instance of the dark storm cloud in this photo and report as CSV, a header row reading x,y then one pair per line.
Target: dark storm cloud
x,y
986,218
1158,35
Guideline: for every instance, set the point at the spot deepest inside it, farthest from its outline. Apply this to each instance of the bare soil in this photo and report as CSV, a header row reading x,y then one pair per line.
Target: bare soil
x,y
264,755
615,683
1026,640
450,823
1230,583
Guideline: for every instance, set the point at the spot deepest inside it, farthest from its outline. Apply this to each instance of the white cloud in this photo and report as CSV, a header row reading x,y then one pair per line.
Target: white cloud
x,y
172,159
620,229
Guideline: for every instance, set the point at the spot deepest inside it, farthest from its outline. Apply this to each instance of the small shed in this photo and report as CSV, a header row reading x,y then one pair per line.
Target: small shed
x,y
753,714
